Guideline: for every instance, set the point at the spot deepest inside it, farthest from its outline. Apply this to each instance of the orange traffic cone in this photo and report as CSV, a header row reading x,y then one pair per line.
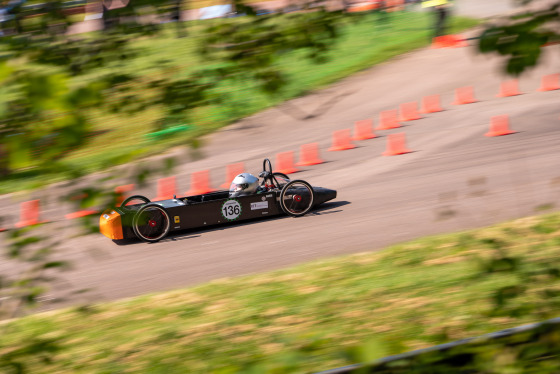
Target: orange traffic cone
x,y
464,95
166,188
121,190
200,183
309,155
449,41
409,111
29,214
431,104
550,82
233,170
285,162
439,42
396,145
363,130
341,140
499,125
509,88
388,120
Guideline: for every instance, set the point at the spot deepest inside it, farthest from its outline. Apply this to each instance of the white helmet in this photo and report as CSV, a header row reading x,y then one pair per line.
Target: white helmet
x,y
243,184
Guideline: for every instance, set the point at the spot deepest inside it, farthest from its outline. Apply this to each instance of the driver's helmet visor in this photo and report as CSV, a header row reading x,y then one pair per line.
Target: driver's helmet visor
x,y
238,187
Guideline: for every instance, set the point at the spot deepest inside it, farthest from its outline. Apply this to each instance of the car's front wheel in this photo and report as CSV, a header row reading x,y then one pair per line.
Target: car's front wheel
x,y
151,223
296,198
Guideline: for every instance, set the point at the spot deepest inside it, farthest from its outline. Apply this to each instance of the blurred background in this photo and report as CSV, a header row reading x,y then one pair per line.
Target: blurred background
x,y
102,100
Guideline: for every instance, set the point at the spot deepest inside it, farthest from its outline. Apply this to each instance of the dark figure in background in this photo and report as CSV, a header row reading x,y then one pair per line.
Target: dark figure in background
x,y
382,13
441,13
176,16
108,21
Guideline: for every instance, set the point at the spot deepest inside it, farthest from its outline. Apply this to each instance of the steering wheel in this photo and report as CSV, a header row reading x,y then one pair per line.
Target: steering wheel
x,y
268,176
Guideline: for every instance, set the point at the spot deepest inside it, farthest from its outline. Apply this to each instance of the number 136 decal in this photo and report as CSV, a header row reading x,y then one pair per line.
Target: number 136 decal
x,y
231,210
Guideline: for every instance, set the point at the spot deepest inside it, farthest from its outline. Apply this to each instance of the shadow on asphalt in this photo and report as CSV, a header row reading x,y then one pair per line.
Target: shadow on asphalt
x,y
325,208
171,237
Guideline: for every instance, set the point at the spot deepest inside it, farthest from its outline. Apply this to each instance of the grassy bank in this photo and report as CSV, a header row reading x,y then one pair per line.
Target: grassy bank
x,y
363,43
309,317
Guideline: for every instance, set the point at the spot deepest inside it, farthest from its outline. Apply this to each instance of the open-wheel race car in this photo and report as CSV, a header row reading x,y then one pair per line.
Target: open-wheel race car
x,y
248,198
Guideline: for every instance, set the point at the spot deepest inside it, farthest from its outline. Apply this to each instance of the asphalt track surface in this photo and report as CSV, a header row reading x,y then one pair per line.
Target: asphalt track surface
x,y
455,178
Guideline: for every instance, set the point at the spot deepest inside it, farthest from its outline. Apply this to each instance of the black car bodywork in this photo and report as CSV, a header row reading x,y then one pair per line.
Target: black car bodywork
x,y
152,221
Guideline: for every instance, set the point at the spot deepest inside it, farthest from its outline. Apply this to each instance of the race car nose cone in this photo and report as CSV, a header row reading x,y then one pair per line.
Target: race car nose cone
x,y
322,195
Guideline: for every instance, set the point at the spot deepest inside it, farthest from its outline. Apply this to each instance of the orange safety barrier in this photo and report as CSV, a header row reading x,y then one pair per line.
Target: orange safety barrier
x,y
341,140
431,104
121,190
396,145
394,5
233,170
499,125
388,120
362,7
409,111
309,155
464,95
285,162
550,82
363,130
200,183
166,188
509,88
449,41
29,214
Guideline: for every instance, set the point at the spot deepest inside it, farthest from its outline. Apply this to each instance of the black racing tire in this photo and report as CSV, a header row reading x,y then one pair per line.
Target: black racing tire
x,y
296,198
281,175
151,223
134,197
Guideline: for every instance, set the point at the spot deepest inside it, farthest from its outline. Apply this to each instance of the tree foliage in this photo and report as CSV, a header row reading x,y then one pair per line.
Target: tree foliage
x,y
44,113
37,261
250,46
42,117
520,38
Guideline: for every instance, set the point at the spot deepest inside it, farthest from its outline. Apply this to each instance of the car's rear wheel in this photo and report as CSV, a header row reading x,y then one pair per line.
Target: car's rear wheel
x,y
296,198
151,223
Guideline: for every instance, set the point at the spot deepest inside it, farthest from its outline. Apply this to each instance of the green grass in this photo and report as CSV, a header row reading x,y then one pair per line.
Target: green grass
x,y
308,317
362,44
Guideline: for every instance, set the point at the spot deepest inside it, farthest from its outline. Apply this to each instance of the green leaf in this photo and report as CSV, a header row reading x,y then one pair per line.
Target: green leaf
x,y
19,152
56,264
5,71
372,350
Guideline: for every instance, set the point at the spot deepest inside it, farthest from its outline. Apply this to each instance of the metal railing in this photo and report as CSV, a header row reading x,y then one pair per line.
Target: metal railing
x,y
373,366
